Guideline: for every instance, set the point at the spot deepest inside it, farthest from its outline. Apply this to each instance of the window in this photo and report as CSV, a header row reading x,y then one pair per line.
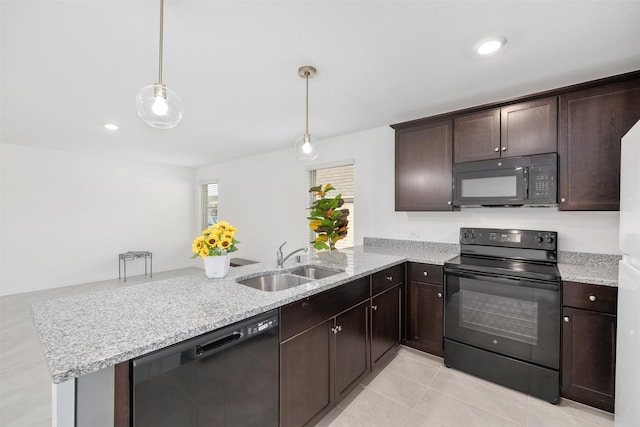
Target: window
x,y
209,203
341,178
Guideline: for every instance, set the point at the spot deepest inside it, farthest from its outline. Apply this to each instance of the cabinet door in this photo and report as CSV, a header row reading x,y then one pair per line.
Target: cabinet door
x,y
386,322
305,372
423,167
529,128
477,136
592,123
425,309
588,357
352,360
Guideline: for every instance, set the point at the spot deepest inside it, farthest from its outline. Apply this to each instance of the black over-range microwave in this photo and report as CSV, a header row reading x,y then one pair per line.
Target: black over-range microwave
x,y
511,181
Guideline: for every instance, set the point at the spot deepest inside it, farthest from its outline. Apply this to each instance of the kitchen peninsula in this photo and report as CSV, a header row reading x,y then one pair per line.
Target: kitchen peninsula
x,y
90,333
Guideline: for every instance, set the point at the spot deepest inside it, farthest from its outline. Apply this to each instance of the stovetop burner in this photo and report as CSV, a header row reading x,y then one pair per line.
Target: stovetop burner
x,y
526,254
505,267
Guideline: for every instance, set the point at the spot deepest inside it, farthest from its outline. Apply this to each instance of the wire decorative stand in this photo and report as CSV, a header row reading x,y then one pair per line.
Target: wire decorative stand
x,y
130,256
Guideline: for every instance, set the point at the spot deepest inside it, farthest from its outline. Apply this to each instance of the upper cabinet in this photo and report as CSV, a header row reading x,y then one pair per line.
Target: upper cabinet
x,y
515,130
477,136
592,123
423,167
583,123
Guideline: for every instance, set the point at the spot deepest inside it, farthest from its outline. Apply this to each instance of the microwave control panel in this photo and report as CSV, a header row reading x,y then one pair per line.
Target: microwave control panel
x,y
542,183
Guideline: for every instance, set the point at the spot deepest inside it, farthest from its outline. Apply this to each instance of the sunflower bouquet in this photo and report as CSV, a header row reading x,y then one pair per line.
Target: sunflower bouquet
x,y
219,239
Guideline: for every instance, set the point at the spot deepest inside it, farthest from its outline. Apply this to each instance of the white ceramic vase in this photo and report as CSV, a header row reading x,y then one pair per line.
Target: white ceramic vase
x,y
216,267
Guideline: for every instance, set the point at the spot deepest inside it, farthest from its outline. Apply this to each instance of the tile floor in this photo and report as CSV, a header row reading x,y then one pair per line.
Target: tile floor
x,y
413,389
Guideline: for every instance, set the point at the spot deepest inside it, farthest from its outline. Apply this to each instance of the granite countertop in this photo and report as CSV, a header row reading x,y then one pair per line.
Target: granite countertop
x,y
88,332
84,333
595,269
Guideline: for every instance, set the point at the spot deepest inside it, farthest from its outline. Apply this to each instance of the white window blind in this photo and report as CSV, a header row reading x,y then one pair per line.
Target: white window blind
x,y
341,178
209,203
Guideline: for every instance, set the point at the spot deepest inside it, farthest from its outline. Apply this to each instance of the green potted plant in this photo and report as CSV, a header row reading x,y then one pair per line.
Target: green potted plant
x,y
326,218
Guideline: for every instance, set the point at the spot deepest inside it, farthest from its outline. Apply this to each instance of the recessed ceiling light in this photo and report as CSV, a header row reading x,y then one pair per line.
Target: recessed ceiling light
x,y
111,126
485,47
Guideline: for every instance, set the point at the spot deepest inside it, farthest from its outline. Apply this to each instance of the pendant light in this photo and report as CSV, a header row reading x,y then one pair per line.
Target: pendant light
x,y
304,146
158,105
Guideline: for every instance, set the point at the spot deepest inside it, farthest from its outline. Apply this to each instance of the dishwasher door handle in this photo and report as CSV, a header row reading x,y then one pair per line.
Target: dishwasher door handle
x,y
205,350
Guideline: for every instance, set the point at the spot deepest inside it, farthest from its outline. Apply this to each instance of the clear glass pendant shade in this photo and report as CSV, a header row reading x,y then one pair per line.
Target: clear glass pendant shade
x,y
159,106
305,148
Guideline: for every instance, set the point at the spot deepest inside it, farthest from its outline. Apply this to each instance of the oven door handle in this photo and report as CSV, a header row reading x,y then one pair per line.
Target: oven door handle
x,y
511,281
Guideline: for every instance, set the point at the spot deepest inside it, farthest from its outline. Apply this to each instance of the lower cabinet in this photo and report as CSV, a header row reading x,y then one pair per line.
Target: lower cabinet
x,y
305,376
386,312
425,308
386,323
321,365
351,349
322,362
589,344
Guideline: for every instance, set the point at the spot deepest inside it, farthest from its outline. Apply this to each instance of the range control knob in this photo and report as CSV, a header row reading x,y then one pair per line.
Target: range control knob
x,y
465,234
539,239
549,239
473,235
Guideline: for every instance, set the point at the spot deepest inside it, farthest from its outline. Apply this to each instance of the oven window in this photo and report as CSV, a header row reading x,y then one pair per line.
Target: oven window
x,y
495,186
511,318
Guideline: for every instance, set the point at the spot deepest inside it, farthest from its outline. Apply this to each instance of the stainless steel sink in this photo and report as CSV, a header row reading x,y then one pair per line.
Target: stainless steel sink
x,y
315,272
275,282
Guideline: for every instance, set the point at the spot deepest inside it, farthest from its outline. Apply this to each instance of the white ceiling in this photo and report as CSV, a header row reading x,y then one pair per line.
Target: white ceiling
x,y
70,66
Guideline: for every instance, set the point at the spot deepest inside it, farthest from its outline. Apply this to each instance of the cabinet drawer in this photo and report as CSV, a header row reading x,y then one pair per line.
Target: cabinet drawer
x,y
428,273
590,297
301,315
386,278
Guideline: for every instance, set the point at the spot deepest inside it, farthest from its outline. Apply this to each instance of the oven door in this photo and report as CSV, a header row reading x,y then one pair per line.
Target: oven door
x,y
514,317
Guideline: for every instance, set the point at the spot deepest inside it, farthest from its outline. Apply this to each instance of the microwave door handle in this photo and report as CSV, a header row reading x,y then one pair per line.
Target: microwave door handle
x,y
525,182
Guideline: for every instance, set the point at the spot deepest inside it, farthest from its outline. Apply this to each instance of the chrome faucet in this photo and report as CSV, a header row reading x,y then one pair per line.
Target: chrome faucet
x,y
280,259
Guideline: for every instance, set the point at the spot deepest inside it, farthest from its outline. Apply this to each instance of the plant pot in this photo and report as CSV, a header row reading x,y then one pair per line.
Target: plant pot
x,y
217,267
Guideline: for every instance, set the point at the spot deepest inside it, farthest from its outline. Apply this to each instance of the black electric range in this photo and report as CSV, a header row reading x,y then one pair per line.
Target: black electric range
x,y
503,309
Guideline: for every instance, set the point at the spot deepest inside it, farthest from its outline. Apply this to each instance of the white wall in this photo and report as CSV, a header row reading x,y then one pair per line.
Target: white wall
x,y
65,217
265,196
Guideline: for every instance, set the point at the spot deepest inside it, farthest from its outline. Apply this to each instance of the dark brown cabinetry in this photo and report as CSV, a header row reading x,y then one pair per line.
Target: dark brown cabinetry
x,y
592,122
423,167
589,344
323,352
386,312
425,308
477,136
515,130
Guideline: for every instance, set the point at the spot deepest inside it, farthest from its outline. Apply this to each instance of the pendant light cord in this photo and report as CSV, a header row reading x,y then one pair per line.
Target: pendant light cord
x,y
306,73
161,42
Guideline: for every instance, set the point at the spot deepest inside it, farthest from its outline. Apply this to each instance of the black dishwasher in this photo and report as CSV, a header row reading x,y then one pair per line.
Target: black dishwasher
x,y
228,377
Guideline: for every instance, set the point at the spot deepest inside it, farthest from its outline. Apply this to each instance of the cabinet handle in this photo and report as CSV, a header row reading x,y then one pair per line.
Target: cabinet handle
x,y
504,148
425,273
374,307
496,149
566,319
563,200
439,294
449,202
390,278
592,298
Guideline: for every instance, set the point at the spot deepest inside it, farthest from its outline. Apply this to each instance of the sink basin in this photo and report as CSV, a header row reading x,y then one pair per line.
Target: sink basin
x,y
315,272
275,282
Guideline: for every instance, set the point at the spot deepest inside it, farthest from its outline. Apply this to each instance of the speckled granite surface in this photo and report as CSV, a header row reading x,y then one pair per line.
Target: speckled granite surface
x,y
596,269
88,332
